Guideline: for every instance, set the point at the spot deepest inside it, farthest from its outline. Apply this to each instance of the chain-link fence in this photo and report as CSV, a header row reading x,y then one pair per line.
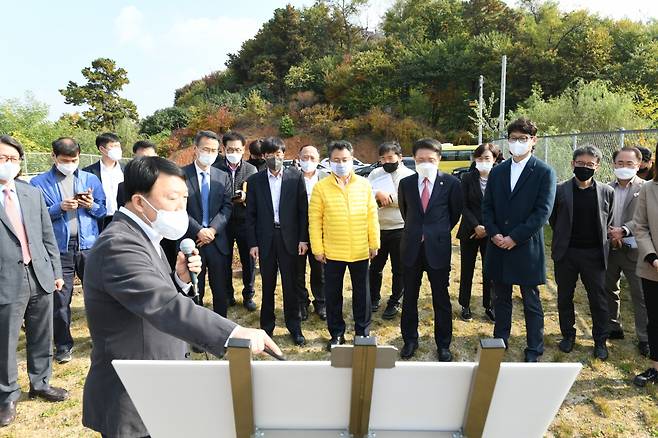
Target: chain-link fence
x,y
557,150
35,163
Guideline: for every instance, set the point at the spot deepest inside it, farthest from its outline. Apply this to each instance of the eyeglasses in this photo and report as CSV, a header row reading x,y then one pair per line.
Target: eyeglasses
x,y
589,165
523,138
5,158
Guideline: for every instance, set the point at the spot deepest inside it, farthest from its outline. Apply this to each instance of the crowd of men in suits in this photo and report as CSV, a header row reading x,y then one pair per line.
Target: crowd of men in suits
x,y
285,218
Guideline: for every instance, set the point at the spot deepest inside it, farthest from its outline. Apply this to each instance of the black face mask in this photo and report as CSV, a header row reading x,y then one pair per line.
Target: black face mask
x,y
583,173
256,161
274,164
390,167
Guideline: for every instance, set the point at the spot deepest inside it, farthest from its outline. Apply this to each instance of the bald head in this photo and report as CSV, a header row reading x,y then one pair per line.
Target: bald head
x,y
309,152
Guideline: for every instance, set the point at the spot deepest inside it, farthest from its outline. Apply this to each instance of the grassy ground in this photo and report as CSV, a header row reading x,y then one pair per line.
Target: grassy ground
x,y
602,402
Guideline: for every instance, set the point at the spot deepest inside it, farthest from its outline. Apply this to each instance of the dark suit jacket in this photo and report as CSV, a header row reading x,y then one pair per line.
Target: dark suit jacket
x,y
43,246
293,211
472,212
443,211
136,312
121,195
561,218
244,171
220,205
520,214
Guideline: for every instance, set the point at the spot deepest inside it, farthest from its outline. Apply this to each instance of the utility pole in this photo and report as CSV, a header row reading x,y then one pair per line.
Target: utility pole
x,y
501,121
480,103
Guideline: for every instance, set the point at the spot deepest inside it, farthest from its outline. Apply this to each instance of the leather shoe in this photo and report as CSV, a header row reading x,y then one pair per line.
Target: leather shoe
x,y
444,355
51,394
466,314
490,314
338,340
63,356
641,380
408,349
644,348
529,358
374,306
249,304
321,311
231,301
600,351
7,413
566,344
299,339
390,311
303,312
616,334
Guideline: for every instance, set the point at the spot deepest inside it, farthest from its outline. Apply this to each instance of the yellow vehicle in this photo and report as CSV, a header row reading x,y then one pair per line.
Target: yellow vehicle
x,y
456,157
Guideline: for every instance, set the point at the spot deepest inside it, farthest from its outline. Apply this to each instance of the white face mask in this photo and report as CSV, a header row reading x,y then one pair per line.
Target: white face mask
x,y
426,170
518,148
115,154
67,168
308,166
207,159
341,169
171,225
483,166
8,171
234,158
625,173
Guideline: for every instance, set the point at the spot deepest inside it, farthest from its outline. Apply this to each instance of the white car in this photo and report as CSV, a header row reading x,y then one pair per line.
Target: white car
x,y
324,164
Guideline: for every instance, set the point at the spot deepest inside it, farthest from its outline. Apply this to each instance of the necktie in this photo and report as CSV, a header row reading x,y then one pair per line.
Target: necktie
x,y
205,198
425,195
11,209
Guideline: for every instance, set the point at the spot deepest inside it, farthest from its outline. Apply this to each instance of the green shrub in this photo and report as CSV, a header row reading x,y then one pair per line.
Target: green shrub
x,y
286,126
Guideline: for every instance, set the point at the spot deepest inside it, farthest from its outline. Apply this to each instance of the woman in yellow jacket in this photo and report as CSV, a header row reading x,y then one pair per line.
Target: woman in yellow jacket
x,y
344,232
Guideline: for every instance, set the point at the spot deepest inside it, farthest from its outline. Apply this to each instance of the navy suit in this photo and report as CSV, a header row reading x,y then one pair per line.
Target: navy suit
x,y
520,214
214,256
426,246
278,243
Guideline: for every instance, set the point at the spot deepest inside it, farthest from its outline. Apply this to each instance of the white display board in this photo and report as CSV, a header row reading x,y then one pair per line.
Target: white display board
x,y
193,398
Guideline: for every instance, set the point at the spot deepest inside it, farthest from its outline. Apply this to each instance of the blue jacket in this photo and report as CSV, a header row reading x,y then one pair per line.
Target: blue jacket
x,y
87,219
520,214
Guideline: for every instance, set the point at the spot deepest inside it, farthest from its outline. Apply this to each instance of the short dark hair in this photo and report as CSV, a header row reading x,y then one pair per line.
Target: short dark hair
x,y
389,146
524,125
588,150
254,147
140,174
481,149
205,134
646,153
636,151
272,144
105,138
143,144
66,146
427,143
232,136
339,145
11,141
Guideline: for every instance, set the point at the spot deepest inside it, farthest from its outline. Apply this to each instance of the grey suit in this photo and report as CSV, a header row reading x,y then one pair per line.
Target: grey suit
x,y
135,311
624,260
26,292
572,261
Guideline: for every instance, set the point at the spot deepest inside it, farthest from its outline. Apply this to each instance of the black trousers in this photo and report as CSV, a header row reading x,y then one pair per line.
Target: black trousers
x,y
214,267
334,273
317,280
589,265
73,262
468,249
532,311
439,280
34,306
390,245
237,233
650,289
279,259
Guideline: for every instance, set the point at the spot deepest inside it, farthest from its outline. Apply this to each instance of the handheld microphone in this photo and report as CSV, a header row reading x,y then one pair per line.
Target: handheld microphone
x,y
187,247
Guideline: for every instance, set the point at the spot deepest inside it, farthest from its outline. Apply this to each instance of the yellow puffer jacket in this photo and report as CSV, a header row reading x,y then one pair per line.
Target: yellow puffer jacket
x,y
343,223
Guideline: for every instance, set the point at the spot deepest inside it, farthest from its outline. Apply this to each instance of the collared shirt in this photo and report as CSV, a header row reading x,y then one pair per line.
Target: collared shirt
x,y
199,171
275,191
340,180
310,183
621,193
12,194
110,179
155,238
430,185
516,170
233,168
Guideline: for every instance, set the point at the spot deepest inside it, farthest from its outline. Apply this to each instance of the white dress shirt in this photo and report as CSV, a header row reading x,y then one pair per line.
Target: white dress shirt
x,y
199,171
110,179
516,169
430,185
310,183
275,190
